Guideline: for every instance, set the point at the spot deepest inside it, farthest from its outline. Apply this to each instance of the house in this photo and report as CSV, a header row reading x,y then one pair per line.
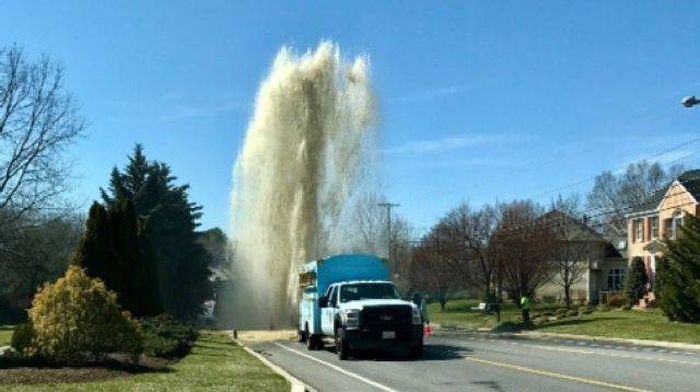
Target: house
x,y
598,263
659,218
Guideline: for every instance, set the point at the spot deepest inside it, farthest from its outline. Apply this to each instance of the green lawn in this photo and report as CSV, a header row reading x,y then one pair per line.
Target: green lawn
x,y
214,364
6,334
614,323
458,314
630,324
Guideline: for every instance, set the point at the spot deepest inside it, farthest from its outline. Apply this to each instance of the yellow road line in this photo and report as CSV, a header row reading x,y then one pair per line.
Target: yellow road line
x,y
615,355
555,375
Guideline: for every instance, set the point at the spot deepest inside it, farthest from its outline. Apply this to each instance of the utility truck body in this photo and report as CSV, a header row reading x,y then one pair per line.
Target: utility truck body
x,y
350,299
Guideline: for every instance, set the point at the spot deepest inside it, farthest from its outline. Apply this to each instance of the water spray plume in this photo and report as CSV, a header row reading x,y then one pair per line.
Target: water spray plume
x,y
303,157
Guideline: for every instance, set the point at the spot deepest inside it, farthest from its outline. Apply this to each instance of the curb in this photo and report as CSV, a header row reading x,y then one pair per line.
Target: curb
x,y
297,385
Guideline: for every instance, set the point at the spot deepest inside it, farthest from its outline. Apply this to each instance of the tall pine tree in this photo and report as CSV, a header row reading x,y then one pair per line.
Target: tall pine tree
x,y
636,281
679,279
181,262
115,249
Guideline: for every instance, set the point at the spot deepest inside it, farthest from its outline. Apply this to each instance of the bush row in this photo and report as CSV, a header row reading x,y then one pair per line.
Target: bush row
x,y
77,320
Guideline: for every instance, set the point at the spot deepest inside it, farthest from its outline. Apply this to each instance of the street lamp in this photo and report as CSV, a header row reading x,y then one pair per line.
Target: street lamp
x,y
690,101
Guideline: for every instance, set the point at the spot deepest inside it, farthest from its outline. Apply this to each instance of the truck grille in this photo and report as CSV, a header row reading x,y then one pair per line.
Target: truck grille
x,y
390,315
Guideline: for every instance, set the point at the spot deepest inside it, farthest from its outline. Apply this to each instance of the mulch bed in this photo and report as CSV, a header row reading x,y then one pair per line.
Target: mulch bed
x,y
97,372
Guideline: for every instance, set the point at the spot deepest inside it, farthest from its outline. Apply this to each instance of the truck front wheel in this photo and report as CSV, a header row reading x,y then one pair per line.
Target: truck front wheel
x,y
341,345
416,352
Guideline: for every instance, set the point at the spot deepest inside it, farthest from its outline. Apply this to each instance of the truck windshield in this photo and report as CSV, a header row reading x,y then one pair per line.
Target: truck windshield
x,y
359,291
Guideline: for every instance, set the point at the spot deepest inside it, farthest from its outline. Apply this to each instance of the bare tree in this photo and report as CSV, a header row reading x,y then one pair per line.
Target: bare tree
x,y
469,235
402,234
523,248
38,120
573,242
429,271
613,194
40,251
367,226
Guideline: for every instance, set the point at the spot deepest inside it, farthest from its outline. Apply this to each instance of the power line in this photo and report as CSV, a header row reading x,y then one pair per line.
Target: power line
x,y
650,157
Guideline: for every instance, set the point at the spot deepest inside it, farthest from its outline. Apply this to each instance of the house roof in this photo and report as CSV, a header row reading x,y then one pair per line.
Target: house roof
x,y
574,229
651,202
689,179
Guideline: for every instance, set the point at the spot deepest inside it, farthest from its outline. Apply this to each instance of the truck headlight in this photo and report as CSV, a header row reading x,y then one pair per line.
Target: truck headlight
x,y
352,318
417,317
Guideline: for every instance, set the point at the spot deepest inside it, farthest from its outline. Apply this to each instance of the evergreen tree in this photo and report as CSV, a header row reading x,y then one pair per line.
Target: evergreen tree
x,y
95,249
114,248
679,279
636,281
661,268
181,262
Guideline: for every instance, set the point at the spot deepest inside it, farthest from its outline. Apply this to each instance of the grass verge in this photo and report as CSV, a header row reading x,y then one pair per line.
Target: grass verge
x,y
215,363
631,324
6,334
651,325
458,314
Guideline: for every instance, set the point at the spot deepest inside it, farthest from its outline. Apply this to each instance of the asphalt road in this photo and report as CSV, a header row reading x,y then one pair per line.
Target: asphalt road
x,y
458,361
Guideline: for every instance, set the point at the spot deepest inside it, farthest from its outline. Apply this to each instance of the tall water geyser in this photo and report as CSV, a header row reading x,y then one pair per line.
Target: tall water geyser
x,y
304,155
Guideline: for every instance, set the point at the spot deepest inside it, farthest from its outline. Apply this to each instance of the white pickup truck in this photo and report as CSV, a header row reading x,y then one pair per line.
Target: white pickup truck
x,y
350,300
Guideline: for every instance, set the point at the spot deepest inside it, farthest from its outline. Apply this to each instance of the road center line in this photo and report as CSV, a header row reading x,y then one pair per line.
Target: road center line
x,y
592,352
554,375
338,369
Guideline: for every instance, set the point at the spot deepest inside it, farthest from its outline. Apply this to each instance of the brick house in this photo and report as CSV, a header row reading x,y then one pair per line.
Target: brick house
x,y
659,218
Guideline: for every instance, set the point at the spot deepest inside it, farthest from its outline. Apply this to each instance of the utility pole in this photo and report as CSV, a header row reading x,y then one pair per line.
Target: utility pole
x,y
388,207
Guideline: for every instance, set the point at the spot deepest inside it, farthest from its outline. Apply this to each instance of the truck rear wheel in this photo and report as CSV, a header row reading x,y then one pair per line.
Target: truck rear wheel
x,y
341,345
313,342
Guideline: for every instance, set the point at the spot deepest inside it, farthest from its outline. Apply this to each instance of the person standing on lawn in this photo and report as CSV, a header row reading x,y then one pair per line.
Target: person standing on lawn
x,y
420,302
525,307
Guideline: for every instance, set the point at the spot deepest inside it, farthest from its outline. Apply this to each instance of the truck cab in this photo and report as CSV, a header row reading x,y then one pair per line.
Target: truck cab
x,y
348,299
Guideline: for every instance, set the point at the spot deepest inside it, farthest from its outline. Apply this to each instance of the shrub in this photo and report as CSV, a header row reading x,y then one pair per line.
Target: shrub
x,y
678,279
166,337
22,337
616,301
636,281
77,319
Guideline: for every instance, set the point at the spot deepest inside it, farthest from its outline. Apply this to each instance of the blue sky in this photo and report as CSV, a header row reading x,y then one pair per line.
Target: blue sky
x,y
480,101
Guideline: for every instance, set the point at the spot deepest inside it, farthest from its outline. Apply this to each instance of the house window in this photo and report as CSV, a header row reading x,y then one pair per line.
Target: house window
x,y
668,223
654,223
638,230
676,225
616,279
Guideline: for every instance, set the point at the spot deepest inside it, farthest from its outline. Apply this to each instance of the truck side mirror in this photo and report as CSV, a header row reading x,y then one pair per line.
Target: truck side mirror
x,y
323,302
